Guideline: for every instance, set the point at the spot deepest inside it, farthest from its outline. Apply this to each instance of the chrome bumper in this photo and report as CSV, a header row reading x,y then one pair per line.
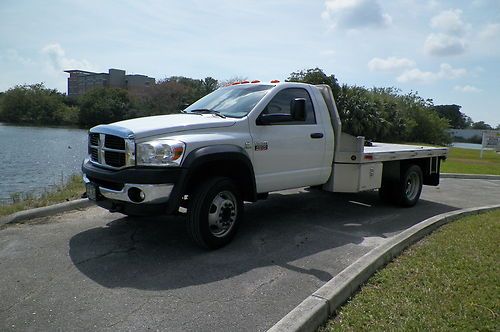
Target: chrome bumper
x,y
153,193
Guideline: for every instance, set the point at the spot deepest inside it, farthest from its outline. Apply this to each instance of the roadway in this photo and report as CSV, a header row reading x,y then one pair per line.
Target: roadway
x,y
95,270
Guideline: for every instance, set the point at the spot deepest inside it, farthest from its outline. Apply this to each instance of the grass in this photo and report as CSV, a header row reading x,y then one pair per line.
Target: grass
x,y
450,281
468,161
73,189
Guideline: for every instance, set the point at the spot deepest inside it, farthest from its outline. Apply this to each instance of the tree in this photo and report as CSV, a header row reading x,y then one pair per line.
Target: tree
x,y
194,88
456,119
103,105
209,85
316,76
381,114
481,125
424,125
35,104
361,113
171,95
165,97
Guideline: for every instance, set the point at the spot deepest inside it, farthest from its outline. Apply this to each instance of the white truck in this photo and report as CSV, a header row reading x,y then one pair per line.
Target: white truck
x,y
238,144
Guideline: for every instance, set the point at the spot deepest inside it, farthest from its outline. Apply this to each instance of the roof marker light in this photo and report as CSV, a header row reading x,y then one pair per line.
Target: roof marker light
x,y
255,81
275,81
236,83
245,82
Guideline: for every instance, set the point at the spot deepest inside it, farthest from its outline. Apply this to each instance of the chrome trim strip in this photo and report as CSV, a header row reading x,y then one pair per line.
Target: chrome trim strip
x,y
100,152
113,150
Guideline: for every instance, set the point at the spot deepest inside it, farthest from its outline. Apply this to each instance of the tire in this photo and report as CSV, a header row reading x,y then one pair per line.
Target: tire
x,y
387,192
410,186
214,213
405,192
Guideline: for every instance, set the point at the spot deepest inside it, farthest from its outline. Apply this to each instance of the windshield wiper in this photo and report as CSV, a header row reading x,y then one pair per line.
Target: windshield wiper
x,y
206,110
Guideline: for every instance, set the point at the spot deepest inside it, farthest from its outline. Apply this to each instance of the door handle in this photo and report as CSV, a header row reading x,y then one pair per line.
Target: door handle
x,y
317,135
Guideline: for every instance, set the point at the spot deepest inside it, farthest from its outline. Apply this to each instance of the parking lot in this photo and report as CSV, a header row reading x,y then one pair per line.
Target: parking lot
x,y
96,270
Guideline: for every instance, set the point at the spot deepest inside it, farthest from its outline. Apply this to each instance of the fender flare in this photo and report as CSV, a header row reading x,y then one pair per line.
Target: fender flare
x,y
209,154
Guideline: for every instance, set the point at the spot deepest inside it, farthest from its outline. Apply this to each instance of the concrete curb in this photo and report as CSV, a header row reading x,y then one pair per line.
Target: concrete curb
x,y
469,176
45,211
316,309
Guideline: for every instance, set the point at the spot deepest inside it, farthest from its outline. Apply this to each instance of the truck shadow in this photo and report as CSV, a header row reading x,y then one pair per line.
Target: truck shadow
x,y
156,253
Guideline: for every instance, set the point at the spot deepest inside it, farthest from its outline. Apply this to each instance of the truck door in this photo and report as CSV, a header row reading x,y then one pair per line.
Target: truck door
x,y
288,154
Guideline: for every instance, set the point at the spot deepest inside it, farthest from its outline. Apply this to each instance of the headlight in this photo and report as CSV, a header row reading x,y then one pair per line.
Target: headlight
x,y
160,153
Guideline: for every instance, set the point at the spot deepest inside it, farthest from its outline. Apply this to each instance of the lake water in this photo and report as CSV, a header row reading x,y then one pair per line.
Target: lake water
x,y
467,146
35,159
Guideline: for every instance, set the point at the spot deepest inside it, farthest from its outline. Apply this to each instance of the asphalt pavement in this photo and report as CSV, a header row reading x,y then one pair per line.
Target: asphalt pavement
x,y
95,270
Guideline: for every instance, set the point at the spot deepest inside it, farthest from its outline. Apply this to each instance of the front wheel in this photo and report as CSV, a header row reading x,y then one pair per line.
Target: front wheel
x,y
214,213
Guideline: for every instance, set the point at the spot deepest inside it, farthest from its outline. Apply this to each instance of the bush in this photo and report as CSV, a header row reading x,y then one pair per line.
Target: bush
x,y
381,114
35,104
103,105
171,95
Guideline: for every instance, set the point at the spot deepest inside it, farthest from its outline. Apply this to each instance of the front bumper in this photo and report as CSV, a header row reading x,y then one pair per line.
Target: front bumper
x,y
136,193
137,190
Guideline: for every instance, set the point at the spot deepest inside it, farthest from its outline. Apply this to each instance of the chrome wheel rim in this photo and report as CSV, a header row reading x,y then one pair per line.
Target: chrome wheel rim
x,y
222,213
412,186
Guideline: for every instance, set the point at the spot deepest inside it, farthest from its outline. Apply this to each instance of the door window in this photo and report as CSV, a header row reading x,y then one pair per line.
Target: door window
x,y
281,104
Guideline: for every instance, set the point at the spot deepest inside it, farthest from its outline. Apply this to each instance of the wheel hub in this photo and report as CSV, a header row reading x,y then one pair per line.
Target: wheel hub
x,y
412,186
222,213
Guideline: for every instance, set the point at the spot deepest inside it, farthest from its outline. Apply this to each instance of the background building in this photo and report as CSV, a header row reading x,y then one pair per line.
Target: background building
x,y
80,81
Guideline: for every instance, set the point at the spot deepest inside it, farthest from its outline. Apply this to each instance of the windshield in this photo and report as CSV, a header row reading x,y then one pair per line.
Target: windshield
x,y
234,101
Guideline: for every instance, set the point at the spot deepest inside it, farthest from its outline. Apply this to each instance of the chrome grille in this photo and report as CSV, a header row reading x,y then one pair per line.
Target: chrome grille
x,y
94,154
111,151
115,159
114,142
94,139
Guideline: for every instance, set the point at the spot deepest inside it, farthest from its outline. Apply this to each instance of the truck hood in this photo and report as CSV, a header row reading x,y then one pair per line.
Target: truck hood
x,y
164,124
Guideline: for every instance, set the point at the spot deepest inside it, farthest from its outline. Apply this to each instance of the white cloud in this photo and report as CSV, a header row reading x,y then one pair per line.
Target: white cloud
x,y
390,63
466,89
450,36
417,75
353,14
57,61
442,45
445,72
490,31
449,21
448,72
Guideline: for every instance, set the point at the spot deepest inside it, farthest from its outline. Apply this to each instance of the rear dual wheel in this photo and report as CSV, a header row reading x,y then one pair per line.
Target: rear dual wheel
x,y
405,192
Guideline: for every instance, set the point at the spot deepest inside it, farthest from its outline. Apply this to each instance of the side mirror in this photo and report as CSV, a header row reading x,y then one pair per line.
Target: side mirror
x,y
298,109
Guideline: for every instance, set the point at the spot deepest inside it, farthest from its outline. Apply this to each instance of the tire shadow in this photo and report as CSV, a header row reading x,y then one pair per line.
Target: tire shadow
x,y
156,253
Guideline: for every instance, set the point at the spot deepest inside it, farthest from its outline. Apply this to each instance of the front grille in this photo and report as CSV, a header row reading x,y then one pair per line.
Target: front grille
x,y
114,142
94,139
110,151
94,154
115,159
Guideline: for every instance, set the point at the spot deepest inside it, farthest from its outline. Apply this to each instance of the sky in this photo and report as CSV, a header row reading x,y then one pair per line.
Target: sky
x,y
447,51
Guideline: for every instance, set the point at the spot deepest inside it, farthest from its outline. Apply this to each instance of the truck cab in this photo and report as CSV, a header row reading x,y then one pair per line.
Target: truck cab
x,y
238,144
